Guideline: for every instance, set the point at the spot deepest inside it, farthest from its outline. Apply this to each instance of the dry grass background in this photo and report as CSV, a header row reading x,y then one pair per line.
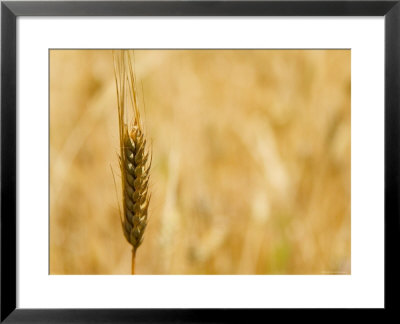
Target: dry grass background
x,y
251,162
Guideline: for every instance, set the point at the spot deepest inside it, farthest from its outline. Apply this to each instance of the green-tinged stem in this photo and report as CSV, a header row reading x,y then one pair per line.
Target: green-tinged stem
x,y
133,260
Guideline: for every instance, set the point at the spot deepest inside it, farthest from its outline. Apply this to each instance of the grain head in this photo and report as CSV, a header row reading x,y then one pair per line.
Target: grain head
x,y
134,157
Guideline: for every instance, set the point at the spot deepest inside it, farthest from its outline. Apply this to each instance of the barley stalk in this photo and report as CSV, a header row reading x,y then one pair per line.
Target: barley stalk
x,y
134,157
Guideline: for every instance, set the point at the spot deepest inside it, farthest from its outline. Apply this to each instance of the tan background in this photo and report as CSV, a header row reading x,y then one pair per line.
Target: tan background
x,y
251,162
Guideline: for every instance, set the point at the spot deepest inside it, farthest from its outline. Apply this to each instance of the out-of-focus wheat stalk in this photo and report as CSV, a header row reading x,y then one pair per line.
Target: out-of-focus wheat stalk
x,y
135,157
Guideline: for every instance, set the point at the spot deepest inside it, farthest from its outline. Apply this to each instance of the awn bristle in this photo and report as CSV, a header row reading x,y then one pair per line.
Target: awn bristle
x,y
134,158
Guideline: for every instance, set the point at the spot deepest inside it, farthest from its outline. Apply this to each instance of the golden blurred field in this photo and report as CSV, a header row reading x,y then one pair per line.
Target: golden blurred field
x,y
251,162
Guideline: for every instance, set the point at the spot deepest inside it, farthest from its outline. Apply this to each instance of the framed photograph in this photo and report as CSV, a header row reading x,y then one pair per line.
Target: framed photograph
x,y
197,161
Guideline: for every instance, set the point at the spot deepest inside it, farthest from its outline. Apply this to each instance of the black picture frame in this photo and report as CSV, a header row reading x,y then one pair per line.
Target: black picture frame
x,y
10,10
